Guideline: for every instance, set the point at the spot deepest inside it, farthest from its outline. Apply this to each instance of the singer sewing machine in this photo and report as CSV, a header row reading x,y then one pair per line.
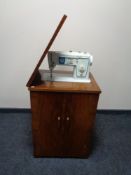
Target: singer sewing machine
x,y
80,61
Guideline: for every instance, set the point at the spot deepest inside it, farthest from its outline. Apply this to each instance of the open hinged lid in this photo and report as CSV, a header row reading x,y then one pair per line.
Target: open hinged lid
x,y
35,77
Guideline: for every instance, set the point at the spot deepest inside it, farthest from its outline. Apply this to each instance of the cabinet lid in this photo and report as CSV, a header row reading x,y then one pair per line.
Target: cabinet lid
x,y
35,72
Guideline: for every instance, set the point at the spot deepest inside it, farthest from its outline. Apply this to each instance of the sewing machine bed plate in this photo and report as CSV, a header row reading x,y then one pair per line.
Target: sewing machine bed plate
x,y
61,76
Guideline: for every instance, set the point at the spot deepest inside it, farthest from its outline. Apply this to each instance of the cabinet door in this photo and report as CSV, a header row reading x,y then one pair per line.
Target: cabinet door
x,y
47,123
79,122
62,123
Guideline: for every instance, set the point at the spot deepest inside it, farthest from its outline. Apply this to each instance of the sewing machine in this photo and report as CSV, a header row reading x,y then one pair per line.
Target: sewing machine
x,y
80,61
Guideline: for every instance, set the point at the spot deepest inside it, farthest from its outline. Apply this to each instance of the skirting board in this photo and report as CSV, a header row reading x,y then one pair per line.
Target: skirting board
x,y
15,110
99,111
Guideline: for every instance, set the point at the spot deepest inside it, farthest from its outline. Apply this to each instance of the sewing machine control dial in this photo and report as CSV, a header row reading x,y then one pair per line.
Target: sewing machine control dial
x,y
82,68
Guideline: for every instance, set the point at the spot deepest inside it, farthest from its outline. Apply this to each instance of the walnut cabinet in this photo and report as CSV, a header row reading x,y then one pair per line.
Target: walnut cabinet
x,y
63,118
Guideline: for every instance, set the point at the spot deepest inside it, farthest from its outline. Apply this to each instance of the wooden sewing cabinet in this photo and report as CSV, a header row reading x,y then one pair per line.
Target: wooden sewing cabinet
x,y
63,116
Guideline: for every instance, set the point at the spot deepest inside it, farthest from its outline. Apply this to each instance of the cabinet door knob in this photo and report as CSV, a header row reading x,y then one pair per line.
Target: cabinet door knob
x,y
58,117
67,118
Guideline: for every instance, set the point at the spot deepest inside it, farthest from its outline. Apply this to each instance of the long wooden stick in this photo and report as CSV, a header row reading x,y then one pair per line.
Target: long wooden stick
x,y
46,50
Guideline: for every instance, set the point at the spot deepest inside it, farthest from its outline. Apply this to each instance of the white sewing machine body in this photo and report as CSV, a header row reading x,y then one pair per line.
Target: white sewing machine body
x,y
80,61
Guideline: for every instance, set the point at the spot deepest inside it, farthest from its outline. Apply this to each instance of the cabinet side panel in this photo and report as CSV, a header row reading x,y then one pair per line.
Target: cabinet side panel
x,y
35,109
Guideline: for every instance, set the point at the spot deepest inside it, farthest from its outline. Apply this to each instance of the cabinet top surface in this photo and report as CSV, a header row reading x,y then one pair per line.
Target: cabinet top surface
x,y
91,87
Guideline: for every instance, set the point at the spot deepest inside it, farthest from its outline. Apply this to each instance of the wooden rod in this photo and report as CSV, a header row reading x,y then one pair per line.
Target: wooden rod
x,y
46,50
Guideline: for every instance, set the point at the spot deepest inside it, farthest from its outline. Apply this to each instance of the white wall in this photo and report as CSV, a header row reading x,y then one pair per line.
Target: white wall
x,y
102,28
